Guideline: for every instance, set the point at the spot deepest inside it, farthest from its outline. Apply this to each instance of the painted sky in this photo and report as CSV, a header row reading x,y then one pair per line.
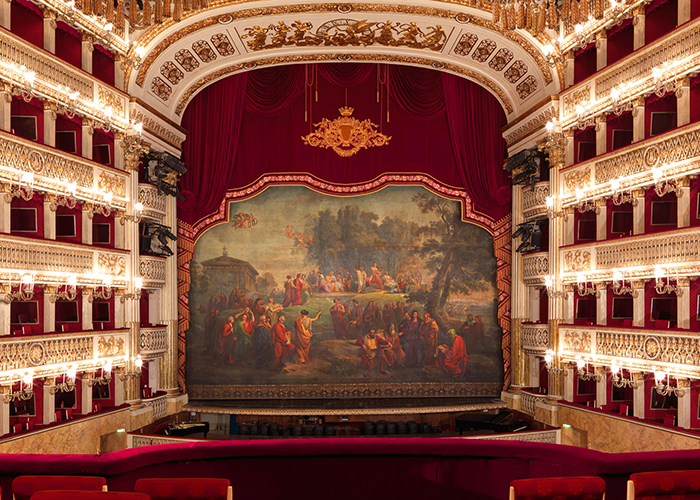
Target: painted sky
x,y
267,248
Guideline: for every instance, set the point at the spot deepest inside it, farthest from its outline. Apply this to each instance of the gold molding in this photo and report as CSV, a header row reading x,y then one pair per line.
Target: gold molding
x,y
466,73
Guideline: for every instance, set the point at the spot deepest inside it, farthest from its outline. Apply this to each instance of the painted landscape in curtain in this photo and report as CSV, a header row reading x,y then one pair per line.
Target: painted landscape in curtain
x,y
384,277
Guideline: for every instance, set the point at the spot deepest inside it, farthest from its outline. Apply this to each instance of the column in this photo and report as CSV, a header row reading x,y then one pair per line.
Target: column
x,y
601,386
154,308
638,395
556,305
5,99
49,401
684,408
638,304
601,219
5,208
533,293
119,71
49,30
49,217
86,53
601,45
519,301
683,98
132,391
601,134
120,233
602,302
49,123
639,26
569,154
86,397
569,226
49,309
683,11
118,150
86,137
4,312
87,307
569,75
154,375
119,310
569,381
683,302
86,221
5,9
569,304
5,407
169,312
638,120
118,387
638,212
684,200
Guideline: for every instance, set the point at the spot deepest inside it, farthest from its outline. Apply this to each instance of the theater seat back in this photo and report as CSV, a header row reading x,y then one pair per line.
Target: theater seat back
x,y
664,485
551,488
23,487
88,495
196,488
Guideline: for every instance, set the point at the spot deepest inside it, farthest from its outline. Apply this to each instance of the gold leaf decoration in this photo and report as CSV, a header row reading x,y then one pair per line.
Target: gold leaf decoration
x,y
346,135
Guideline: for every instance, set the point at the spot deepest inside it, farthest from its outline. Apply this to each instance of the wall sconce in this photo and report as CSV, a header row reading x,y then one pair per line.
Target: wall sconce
x,y
24,188
663,185
619,287
68,199
549,358
133,368
104,116
552,53
583,288
661,86
618,378
134,58
26,90
104,207
25,290
581,121
138,209
619,197
105,376
552,292
104,292
70,291
553,214
583,205
68,384
583,371
666,389
138,284
661,288
66,104
25,391
619,108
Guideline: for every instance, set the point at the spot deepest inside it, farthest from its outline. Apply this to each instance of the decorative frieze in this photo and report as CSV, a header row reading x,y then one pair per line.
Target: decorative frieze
x,y
579,341
40,256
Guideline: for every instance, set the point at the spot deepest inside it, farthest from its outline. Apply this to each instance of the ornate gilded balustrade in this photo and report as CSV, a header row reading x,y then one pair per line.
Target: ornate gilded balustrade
x,y
529,400
598,260
536,337
549,436
152,341
153,203
138,440
53,169
535,200
158,404
152,270
49,354
635,73
535,268
673,350
51,72
46,257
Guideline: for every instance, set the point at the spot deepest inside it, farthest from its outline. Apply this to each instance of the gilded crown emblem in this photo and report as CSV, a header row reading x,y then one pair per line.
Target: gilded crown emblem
x,y
346,135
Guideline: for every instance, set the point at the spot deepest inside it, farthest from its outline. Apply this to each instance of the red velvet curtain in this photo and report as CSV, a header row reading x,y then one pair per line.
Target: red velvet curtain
x,y
477,144
229,149
211,168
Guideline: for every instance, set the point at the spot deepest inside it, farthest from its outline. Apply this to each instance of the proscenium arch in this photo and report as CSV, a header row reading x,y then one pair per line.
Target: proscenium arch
x,y
519,79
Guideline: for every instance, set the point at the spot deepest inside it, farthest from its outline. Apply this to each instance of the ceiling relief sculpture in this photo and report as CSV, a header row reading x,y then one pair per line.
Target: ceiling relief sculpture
x,y
180,63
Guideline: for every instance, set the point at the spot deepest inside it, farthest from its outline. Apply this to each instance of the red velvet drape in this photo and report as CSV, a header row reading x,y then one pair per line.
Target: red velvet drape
x,y
229,148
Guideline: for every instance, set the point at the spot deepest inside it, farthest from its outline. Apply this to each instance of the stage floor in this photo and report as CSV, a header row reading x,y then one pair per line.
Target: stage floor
x,y
343,406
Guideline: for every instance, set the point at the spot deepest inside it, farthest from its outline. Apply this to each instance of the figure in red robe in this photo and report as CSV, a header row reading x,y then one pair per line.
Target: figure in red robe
x,y
298,287
281,343
453,359
338,312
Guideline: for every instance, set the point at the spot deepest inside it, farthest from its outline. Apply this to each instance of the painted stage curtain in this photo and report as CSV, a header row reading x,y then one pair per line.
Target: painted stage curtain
x,y
216,119
242,128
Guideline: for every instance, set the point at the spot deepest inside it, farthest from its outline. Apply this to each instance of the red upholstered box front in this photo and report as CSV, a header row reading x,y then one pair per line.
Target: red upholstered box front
x,y
88,495
183,488
559,488
24,487
679,484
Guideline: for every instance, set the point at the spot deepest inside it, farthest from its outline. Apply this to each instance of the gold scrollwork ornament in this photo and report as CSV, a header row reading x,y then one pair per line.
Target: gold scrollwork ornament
x,y
346,135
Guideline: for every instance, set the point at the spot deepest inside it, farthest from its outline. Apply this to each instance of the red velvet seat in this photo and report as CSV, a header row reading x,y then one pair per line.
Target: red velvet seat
x,y
554,488
200,488
666,485
88,495
23,487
